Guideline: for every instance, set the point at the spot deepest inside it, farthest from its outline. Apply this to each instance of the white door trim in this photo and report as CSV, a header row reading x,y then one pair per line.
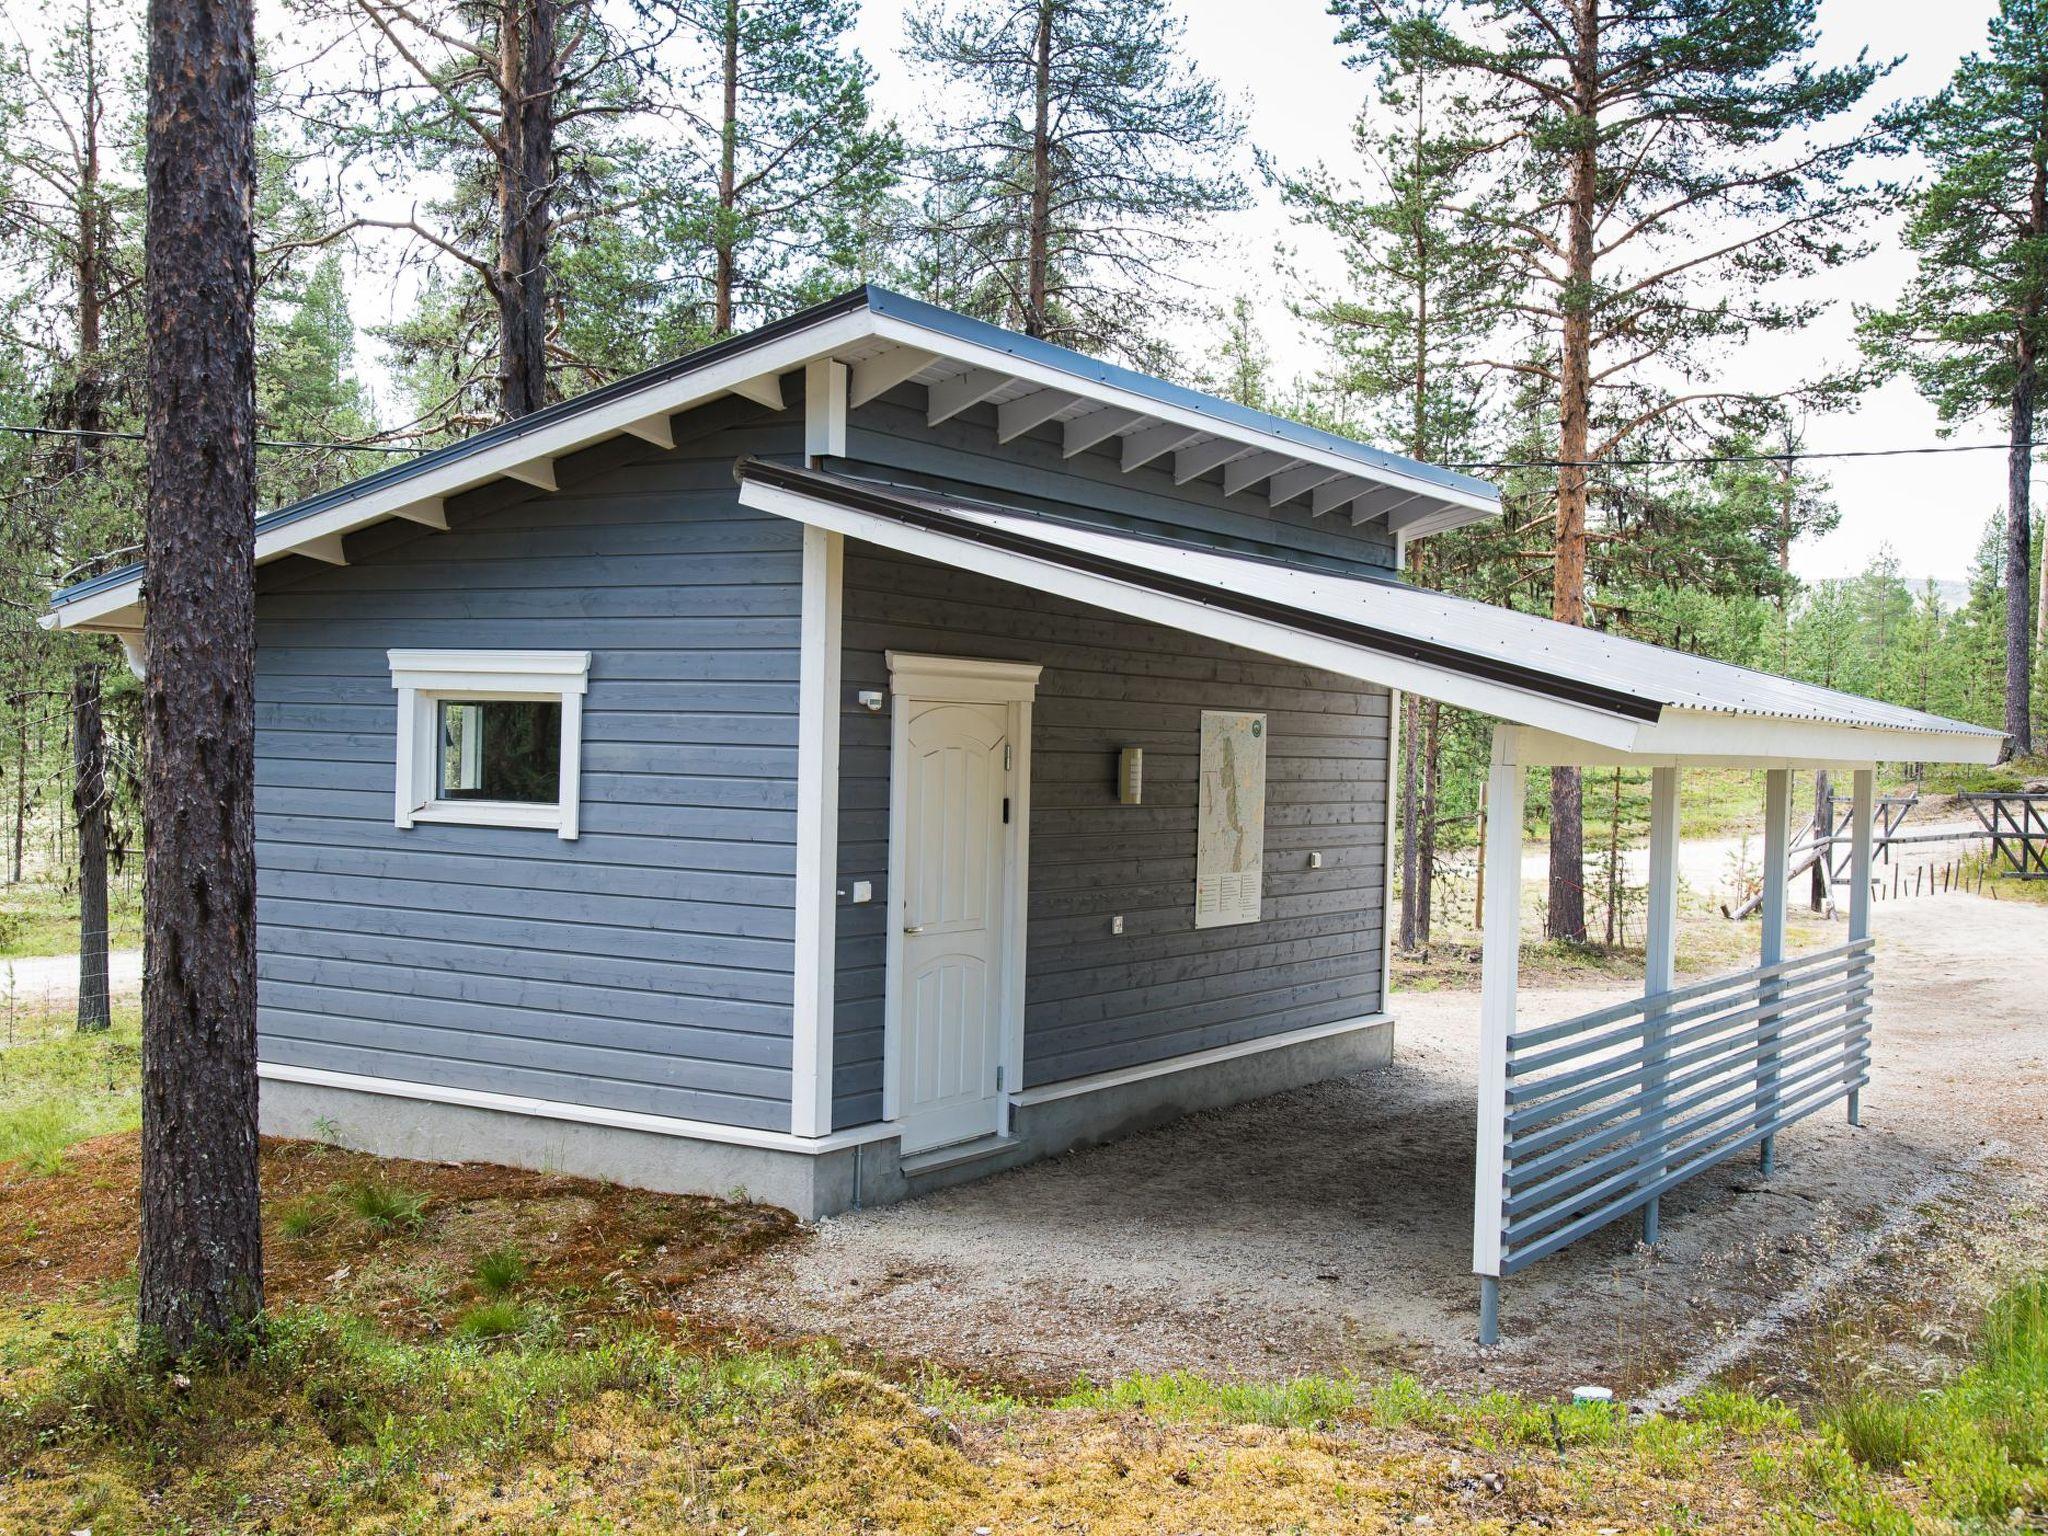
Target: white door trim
x,y
960,680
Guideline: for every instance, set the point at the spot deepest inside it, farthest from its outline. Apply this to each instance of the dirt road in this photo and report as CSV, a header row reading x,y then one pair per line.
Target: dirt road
x,y
1329,1228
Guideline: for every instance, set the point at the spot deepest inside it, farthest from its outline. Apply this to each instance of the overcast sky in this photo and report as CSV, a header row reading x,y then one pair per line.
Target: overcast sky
x,y
1278,56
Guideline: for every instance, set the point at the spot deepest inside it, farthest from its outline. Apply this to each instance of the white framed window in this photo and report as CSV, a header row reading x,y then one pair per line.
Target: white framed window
x,y
490,738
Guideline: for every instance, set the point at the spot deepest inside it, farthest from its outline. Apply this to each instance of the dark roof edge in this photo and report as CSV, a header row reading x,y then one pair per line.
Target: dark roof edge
x,y
856,497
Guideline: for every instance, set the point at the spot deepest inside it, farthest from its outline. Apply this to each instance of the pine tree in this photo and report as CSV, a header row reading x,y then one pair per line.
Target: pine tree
x,y
1426,283
1078,158
1971,329
201,1264
1657,168
796,166
537,114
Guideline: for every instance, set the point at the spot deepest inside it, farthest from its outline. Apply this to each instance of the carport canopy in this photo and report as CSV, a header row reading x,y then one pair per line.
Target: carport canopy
x,y
1580,695
1587,1121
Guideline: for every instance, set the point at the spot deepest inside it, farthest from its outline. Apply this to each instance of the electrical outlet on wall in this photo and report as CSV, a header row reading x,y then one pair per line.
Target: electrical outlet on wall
x,y
1116,924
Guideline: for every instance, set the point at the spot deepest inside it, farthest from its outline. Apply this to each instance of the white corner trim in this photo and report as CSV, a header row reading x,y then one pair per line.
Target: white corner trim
x,y
423,678
1096,1082
576,1114
817,836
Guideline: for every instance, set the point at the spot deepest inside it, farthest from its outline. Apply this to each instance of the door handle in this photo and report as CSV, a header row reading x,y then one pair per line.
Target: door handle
x,y
913,927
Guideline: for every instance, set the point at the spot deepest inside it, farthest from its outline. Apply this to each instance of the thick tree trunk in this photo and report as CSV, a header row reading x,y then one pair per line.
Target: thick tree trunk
x,y
89,804
526,82
728,177
202,1243
1566,908
1038,259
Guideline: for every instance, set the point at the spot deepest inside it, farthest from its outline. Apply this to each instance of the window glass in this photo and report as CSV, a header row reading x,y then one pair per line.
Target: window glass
x,y
499,749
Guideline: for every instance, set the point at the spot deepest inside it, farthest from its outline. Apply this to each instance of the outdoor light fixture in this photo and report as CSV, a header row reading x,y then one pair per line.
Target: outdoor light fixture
x,y
871,700
1130,776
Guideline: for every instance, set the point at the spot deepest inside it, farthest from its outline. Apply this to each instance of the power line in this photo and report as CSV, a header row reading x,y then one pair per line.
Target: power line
x,y
1732,458
1671,462
261,442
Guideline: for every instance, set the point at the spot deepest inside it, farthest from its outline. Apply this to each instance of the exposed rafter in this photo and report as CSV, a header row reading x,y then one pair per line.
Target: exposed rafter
x,y
1202,457
763,389
326,547
538,473
1241,474
1406,513
876,376
1016,417
1141,448
1084,432
653,429
1328,498
430,513
949,397
1290,483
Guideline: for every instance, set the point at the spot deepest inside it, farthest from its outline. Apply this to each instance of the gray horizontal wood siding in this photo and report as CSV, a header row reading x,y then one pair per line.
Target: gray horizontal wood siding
x,y
1094,1001
646,965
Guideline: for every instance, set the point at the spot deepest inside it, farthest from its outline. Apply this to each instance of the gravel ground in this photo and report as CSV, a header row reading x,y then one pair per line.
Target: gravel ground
x,y
1330,1228
33,985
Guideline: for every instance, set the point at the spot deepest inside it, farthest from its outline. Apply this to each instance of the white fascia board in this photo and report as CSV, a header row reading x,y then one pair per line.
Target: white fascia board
x,y
1698,738
973,353
555,440
1187,614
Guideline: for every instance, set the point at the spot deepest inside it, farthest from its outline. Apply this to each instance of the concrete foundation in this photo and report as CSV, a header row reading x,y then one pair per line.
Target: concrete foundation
x,y
809,1184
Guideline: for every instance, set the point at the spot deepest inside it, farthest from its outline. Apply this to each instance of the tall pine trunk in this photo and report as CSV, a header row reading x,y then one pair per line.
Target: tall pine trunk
x,y
1411,822
1425,858
526,87
89,805
1038,258
201,1264
1566,905
723,233
2019,554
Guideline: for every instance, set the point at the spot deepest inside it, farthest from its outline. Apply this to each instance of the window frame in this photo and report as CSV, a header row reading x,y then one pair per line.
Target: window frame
x,y
424,679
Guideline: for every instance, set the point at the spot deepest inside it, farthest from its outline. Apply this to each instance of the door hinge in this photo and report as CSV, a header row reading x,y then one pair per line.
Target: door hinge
x,y
1006,757
999,1079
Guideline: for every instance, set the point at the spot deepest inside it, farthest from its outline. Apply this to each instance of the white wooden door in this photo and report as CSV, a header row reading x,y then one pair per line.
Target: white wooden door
x,y
953,923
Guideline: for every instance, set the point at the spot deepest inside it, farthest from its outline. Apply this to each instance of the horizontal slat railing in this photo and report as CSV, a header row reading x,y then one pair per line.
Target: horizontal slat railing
x,y
1607,1111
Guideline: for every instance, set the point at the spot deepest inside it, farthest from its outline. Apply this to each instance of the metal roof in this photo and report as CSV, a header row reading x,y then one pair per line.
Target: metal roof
x,y
890,339
1625,695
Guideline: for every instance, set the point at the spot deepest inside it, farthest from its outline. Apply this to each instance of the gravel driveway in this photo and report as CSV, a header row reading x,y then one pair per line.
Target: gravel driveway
x,y
1330,1228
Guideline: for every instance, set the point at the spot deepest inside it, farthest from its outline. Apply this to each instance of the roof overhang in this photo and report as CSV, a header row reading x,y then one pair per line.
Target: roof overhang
x,y
886,341
1366,630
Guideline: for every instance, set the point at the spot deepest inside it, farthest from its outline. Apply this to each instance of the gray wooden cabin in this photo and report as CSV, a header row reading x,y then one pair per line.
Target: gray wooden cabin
x,y
871,752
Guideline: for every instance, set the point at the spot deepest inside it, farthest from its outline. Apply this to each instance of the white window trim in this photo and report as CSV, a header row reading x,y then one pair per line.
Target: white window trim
x,y
424,678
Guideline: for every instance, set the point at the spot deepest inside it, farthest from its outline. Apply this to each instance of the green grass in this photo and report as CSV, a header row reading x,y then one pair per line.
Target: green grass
x,y
500,1272
387,1208
40,917
492,1321
64,1087
1978,1447
305,1217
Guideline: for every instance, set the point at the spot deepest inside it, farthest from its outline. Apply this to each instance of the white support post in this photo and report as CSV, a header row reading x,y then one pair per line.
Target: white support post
x,y
1771,947
1660,969
817,836
1864,804
824,410
1500,965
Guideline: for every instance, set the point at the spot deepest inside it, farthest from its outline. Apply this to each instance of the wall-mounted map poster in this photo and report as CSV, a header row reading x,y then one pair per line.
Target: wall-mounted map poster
x,y
1230,846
